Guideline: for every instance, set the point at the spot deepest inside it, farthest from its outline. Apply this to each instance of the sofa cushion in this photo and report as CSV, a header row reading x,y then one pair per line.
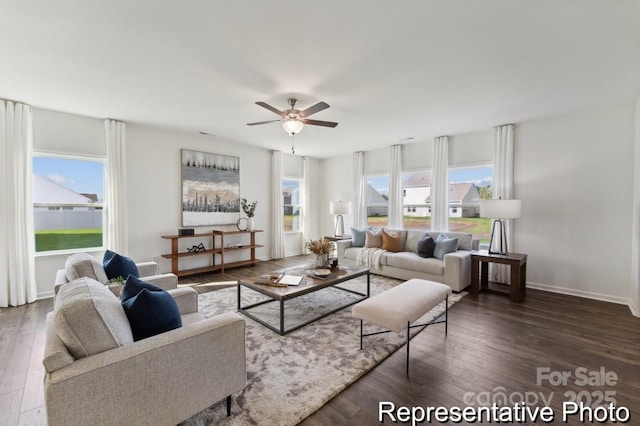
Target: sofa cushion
x,y
413,262
392,241
84,265
150,309
425,246
444,245
465,240
413,236
373,239
357,237
89,318
116,265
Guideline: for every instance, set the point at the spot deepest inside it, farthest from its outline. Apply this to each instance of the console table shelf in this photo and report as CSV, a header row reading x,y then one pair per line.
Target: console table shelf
x,y
216,252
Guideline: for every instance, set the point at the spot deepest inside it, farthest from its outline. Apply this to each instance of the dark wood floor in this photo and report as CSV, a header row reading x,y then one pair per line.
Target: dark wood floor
x,y
493,346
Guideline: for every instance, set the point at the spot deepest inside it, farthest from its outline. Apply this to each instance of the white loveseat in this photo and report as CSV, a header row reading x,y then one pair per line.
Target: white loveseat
x,y
453,270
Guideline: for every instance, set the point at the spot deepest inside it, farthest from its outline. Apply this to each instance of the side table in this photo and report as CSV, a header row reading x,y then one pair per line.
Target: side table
x,y
480,273
337,238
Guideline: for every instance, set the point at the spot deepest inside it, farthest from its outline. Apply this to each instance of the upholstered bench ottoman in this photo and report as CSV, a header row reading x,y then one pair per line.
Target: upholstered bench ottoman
x,y
397,308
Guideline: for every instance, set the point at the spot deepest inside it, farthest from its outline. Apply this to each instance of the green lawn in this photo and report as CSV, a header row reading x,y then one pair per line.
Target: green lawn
x,y
62,239
478,226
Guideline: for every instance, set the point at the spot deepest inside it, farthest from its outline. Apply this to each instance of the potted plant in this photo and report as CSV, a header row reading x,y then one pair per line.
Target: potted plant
x,y
321,248
249,208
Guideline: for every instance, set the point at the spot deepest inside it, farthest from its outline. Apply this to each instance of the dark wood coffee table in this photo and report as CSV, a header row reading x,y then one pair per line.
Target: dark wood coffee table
x,y
309,285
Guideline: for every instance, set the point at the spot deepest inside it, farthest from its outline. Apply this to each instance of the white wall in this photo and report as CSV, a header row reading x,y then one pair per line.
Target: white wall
x,y
574,175
635,218
153,184
154,191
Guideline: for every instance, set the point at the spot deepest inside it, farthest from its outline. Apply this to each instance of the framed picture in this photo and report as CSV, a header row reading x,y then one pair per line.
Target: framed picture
x,y
210,188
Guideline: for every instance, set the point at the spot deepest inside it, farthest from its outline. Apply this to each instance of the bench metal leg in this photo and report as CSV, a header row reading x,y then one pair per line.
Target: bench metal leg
x,y
228,405
408,329
360,334
446,314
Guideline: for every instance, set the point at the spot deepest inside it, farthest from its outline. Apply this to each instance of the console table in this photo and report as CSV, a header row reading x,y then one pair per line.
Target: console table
x,y
216,251
480,273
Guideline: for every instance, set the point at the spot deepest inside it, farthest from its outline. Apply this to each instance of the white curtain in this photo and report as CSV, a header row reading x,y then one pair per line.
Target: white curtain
x,y
503,187
359,191
395,187
17,240
277,249
440,185
116,187
305,202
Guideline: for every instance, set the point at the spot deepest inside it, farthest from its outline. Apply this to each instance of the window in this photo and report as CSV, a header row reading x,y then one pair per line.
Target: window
x,y
467,185
416,199
291,195
377,200
68,200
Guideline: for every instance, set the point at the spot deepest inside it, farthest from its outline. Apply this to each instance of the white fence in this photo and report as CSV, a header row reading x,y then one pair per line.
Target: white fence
x,y
67,219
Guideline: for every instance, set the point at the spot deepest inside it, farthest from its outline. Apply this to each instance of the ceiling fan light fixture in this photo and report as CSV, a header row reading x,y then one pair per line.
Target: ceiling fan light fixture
x,y
292,126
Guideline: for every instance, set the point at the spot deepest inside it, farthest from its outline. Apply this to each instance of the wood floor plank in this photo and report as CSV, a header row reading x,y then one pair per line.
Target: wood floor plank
x,y
492,343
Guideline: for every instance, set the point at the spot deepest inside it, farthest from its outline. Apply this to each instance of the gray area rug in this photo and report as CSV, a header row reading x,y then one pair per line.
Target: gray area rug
x,y
289,377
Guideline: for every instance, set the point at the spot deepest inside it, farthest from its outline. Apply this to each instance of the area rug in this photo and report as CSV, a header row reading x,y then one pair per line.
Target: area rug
x,y
289,377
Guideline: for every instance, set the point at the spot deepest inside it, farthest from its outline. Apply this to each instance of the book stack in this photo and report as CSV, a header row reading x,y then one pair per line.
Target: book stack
x,y
270,279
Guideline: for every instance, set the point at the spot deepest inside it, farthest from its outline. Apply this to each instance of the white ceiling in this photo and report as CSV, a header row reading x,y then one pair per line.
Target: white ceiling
x,y
389,69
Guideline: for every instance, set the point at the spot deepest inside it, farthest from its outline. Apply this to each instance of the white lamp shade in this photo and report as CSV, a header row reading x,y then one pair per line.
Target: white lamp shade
x,y
500,209
292,126
340,207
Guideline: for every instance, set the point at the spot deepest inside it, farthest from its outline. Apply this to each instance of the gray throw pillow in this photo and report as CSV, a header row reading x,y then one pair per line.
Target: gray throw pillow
x,y
444,245
357,237
425,246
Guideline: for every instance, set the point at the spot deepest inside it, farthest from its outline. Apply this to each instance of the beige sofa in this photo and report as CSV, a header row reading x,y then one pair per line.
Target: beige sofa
x,y
160,380
454,270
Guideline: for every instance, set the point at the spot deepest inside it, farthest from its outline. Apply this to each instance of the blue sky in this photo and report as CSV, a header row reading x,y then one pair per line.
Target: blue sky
x,y
78,175
481,176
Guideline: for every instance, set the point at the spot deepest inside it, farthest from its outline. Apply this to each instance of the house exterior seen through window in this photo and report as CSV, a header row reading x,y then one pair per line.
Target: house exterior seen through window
x,y
377,200
68,201
467,186
291,196
416,188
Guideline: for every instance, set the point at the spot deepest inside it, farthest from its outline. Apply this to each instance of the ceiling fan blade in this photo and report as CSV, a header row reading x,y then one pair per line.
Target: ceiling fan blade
x,y
313,109
262,122
320,123
270,108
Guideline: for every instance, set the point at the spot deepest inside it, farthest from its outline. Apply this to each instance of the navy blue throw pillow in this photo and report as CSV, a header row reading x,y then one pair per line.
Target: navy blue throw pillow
x,y
425,246
115,265
150,309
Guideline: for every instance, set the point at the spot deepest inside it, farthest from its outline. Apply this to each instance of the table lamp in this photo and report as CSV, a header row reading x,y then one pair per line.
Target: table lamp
x,y
500,210
339,208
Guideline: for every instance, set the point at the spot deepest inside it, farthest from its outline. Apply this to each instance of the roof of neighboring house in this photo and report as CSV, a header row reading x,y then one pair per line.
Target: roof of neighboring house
x,y
47,191
418,179
457,191
374,198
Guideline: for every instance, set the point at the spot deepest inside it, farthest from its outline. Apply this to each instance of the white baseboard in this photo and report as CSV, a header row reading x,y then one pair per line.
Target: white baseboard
x,y
45,295
581,293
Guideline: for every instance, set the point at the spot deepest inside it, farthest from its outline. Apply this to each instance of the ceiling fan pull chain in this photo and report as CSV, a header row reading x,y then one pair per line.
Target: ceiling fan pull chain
x,y
293,151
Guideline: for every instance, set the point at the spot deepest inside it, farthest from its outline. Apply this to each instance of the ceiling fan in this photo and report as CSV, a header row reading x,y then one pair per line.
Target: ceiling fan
x,y
293,120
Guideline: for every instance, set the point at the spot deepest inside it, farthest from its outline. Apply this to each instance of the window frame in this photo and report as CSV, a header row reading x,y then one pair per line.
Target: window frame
x,y
300,181
101,205
368,176
462,205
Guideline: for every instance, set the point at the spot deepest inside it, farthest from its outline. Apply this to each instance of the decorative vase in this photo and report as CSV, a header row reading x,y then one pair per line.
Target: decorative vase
x,y
250,224
321,260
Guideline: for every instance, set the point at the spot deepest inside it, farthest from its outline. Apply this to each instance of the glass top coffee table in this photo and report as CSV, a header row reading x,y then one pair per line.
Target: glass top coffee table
x,y
309,285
